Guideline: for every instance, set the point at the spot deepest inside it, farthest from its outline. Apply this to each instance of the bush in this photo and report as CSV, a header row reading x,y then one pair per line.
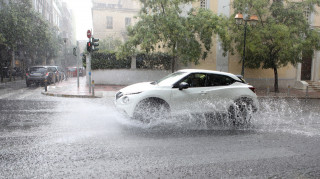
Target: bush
x,y
109,61
155,61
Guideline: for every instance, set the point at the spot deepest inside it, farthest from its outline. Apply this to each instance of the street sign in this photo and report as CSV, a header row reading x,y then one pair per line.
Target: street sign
x,y
89,34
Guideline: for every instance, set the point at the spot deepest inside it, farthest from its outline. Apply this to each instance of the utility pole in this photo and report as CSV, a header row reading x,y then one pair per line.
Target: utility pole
x,y
78,62
88,61
92,46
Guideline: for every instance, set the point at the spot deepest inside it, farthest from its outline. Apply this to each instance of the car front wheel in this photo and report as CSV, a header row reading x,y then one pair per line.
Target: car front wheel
x,y
151,109
240,113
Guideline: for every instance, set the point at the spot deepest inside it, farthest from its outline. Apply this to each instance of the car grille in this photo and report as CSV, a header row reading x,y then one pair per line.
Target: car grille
x,y
118,95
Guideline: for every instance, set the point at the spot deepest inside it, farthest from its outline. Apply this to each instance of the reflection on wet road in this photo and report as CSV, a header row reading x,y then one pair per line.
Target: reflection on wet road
x,y
48,137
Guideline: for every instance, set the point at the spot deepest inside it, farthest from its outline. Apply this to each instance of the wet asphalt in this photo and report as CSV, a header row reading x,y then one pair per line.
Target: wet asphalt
x,y
52,137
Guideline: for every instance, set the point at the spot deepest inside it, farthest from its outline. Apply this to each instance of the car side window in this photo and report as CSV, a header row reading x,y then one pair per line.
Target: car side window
x,y
219,80
196,80
52,69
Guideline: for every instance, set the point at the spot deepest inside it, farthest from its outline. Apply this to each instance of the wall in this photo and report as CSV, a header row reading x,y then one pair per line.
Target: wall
x,y
103,8
126,76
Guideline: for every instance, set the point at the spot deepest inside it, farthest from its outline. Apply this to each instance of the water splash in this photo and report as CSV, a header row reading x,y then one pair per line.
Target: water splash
x,y
288,115
275,115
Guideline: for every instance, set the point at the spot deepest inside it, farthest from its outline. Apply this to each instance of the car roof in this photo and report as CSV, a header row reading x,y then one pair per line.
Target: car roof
x,y
209,71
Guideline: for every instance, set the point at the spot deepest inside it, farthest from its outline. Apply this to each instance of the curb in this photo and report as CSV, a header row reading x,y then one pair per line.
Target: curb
x,y
69,95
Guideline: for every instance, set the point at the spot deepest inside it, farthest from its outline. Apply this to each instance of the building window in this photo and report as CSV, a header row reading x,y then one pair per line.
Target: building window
x,y
203,3
127,21
109,22
307,14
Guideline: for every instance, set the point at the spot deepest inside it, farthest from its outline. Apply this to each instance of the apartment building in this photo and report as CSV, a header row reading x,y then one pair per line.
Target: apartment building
x,y
111,17
57,14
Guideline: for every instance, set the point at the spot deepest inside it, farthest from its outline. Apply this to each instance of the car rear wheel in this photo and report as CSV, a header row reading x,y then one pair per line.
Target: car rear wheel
x,y
151,109
240,113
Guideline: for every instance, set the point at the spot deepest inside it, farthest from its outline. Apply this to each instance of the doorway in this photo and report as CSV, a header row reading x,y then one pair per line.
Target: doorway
x,y
306,66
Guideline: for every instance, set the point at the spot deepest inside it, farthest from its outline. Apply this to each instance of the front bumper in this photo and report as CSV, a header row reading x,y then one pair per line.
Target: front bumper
x,y
126,104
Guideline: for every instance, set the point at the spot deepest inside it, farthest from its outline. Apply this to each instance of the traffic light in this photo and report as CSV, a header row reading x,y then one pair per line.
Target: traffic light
x,y
84,60
95,44
89,46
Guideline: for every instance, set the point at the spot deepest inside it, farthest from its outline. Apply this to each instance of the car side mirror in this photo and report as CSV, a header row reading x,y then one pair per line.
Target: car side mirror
x,y
183,85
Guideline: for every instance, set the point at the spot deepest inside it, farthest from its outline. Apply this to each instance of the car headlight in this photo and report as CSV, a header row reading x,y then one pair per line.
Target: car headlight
x,y
133,93
125,100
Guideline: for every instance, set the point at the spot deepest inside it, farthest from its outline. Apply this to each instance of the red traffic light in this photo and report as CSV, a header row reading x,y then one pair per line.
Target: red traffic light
x,y
89,46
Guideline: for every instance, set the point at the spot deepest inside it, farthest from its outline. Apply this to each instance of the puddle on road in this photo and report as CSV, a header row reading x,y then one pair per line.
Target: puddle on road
x,y
275,115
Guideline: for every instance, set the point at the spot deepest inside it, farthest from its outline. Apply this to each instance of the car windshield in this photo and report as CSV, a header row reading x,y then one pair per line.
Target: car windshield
x,y
37,70
171,79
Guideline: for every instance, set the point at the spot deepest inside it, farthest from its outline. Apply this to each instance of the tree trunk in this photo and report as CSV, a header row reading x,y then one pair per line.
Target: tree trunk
x,y
173,61
11,66
276,86
2,73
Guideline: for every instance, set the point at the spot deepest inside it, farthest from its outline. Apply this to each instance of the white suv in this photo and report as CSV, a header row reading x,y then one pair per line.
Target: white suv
x,y
188,91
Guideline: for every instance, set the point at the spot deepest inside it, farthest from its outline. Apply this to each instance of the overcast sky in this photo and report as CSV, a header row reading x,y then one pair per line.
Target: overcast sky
x,y
82,11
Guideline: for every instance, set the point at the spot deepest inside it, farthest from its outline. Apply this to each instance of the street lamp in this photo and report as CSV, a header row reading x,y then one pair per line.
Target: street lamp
x,y
253,20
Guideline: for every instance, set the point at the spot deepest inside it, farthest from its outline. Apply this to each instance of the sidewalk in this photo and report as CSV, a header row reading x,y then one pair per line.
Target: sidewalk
x,y
288,93
69,89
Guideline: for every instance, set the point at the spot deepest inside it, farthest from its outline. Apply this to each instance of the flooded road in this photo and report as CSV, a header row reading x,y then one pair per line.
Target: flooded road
x,y
50,137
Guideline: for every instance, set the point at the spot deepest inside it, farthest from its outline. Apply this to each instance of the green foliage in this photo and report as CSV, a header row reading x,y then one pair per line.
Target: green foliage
x,y
24,30
2,39
84,60
109,61
154,61
163,26
280,37
109,44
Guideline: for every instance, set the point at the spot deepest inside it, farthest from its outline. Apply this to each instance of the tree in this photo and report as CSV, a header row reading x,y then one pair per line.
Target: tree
x,y
164,26
109,44
22,29
281,36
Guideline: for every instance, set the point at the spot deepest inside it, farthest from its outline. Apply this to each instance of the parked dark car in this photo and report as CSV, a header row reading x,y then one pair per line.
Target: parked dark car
x,y
38,75
59,72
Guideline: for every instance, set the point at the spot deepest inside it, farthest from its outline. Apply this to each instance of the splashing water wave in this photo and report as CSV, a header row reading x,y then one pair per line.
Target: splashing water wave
x,y
275,115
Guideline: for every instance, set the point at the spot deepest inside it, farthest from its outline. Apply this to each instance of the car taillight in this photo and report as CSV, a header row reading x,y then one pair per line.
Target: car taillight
x,y
253,89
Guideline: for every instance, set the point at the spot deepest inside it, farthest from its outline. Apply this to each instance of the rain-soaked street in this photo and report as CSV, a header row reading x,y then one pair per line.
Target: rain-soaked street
x,y
52,137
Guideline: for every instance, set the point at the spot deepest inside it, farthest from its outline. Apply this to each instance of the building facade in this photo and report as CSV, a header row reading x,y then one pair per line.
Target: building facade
x,y
111,17
59,16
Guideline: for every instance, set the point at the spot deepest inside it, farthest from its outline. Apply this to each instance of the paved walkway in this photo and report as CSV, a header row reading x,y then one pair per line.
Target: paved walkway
x,y
288,93
69,89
